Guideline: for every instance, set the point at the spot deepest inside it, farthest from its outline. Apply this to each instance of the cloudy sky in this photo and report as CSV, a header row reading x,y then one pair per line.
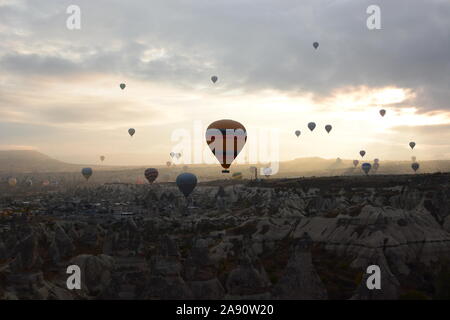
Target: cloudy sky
x,y
59,88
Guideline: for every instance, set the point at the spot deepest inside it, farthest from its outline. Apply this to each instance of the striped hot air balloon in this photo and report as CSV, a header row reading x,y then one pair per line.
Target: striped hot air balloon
x,y
226,138
151,174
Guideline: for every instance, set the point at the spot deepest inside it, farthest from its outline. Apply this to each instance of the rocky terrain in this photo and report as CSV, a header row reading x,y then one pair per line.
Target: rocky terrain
x,y
275,239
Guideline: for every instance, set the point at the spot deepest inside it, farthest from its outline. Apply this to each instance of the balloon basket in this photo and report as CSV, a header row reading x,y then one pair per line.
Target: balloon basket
x,y
225,171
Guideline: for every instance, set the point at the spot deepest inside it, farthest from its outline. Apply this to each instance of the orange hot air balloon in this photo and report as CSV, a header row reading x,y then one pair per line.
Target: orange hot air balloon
x,y
226,138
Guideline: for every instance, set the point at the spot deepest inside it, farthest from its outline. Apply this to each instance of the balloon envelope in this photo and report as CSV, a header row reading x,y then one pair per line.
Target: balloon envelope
x,y
131,131
362,153
102,158
86,172
267,171
376,160
376,165
366,167
412,144
297,133
382,112
168,163
214,79
355,162
151,174
311,126
226,138
12,182
172,154
315,45
415,166
186,182
328,127
122,86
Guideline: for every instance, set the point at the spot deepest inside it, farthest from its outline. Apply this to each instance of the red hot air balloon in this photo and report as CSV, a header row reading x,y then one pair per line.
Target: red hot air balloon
x,y
151,174
226,138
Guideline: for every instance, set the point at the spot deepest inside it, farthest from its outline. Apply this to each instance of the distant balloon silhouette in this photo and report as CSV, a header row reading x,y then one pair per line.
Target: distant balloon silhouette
x,y
122,86
297,133
267,172
151,174
315,45
178,155
311,126
102,158
328,127
382,112
413,159
172,154
355,163
186,182
376,165
12,182
366,167
168,163
376,160
214,79
412,144
87,173
131,131
226,138
415,166
362,153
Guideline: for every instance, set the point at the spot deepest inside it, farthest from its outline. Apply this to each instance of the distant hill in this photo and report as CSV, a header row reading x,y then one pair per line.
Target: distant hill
x,y
31,161
26,161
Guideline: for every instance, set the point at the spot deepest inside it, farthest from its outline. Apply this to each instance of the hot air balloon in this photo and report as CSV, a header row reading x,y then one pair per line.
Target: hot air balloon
x,y
413,159
311,126
237,176
412,144
151,174
102,158
12,182
122,86
168,163
267,172
186,182
376,165
172,154
366,167
214,79
315,45
328,127
355,163
226,138
131,131
415,166
362,153
297,133
376,160
87,173
382,112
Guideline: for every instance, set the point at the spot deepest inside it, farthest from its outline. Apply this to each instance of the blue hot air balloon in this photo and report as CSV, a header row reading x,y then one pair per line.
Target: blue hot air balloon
x,y
86,172
366,167
186,182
